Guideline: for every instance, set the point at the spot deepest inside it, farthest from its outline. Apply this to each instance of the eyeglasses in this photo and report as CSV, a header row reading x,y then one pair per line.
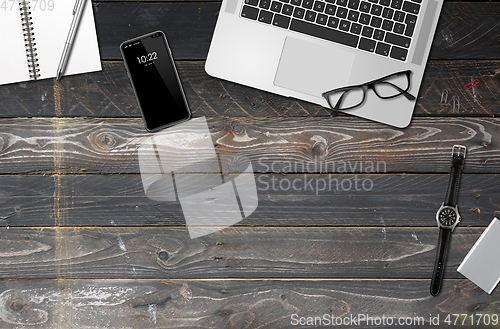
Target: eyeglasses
x,y
390,86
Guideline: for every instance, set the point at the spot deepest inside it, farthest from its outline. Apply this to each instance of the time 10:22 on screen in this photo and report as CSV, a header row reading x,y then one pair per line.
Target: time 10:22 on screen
x,y
147,59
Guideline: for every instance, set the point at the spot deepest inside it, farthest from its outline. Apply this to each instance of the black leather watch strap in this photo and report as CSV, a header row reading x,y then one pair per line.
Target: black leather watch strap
x,y
457,165
439,265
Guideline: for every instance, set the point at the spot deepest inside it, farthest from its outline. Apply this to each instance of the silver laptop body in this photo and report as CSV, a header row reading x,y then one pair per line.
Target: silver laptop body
x,y
272,53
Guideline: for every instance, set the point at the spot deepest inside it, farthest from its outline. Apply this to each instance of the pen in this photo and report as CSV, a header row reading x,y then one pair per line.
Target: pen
x,y
77,13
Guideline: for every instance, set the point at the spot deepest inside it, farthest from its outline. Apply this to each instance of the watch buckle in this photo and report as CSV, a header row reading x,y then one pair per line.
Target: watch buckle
x,y
459,151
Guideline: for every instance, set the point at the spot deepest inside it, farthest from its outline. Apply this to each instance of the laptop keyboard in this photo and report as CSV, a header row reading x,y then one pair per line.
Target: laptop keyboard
x,y
384,27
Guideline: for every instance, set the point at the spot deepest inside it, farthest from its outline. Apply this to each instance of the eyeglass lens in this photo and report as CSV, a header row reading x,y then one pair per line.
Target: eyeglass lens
x,y
386,88
348,98
354,96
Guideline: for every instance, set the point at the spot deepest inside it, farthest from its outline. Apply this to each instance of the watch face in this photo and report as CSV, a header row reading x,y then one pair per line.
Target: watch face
x,y
447,216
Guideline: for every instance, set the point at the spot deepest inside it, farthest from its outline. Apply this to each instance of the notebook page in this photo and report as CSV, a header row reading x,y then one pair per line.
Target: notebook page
x,y
51,31
13,60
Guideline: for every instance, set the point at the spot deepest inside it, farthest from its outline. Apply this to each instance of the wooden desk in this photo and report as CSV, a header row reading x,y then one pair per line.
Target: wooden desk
x,y
82,247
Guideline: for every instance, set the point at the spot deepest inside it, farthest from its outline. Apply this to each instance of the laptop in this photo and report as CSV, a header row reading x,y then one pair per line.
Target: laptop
x,y
303,48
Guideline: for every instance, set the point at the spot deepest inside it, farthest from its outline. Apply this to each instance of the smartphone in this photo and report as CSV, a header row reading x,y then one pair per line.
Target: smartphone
x,y
151,69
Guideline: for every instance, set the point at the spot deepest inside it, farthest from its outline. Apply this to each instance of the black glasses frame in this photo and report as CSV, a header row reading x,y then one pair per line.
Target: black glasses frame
x,y
369,85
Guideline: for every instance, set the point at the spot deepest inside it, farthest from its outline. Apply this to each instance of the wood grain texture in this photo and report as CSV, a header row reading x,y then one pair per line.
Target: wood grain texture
x,y
109,94
126,304
234,252
466,29
110,145
189,26
82,247
460,24
385,200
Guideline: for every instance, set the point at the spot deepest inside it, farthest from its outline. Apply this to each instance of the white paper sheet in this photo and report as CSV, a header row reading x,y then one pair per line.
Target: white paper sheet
x,y
50,29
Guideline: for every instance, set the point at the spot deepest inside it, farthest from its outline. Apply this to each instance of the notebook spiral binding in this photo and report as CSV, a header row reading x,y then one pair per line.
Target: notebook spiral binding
x,y
29,39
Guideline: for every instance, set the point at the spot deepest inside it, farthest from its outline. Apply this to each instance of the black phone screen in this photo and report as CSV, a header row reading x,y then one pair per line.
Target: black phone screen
x,y
155,81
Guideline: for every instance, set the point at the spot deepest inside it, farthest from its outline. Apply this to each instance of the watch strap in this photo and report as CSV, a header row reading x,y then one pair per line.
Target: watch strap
x,y
441,255
457,166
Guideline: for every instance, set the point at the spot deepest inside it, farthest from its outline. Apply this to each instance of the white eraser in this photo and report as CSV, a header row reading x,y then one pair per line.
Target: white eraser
x,y
481,265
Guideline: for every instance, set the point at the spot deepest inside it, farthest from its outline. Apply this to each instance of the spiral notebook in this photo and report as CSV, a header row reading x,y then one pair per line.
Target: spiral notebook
x,y
32,37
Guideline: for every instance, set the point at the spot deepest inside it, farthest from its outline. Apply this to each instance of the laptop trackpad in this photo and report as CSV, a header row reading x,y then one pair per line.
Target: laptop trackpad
x,y
312,69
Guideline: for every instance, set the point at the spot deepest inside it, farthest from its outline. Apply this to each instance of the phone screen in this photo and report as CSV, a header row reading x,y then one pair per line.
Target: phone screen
x,y
155,81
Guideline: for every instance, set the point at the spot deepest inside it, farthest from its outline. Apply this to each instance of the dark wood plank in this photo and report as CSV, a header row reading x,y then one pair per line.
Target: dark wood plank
x,y
109,94
233,304
250,252
110,145
382,269
385,200
189,27
27,99
453,35
208,96
451,77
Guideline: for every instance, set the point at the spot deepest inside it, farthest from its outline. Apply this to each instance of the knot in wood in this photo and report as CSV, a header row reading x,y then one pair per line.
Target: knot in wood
x,y
41,143
17,306
236,127
163,256
105,141
318,150
256,104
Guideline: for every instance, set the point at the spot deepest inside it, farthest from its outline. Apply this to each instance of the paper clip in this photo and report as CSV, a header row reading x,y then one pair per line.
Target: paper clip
x,y
471,84
444,97
456,104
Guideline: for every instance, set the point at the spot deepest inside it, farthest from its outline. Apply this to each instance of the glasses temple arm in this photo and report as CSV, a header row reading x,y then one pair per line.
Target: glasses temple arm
x,y
406,94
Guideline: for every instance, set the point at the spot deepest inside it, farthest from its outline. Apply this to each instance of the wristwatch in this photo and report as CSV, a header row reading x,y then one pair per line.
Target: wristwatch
x,y
447,217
